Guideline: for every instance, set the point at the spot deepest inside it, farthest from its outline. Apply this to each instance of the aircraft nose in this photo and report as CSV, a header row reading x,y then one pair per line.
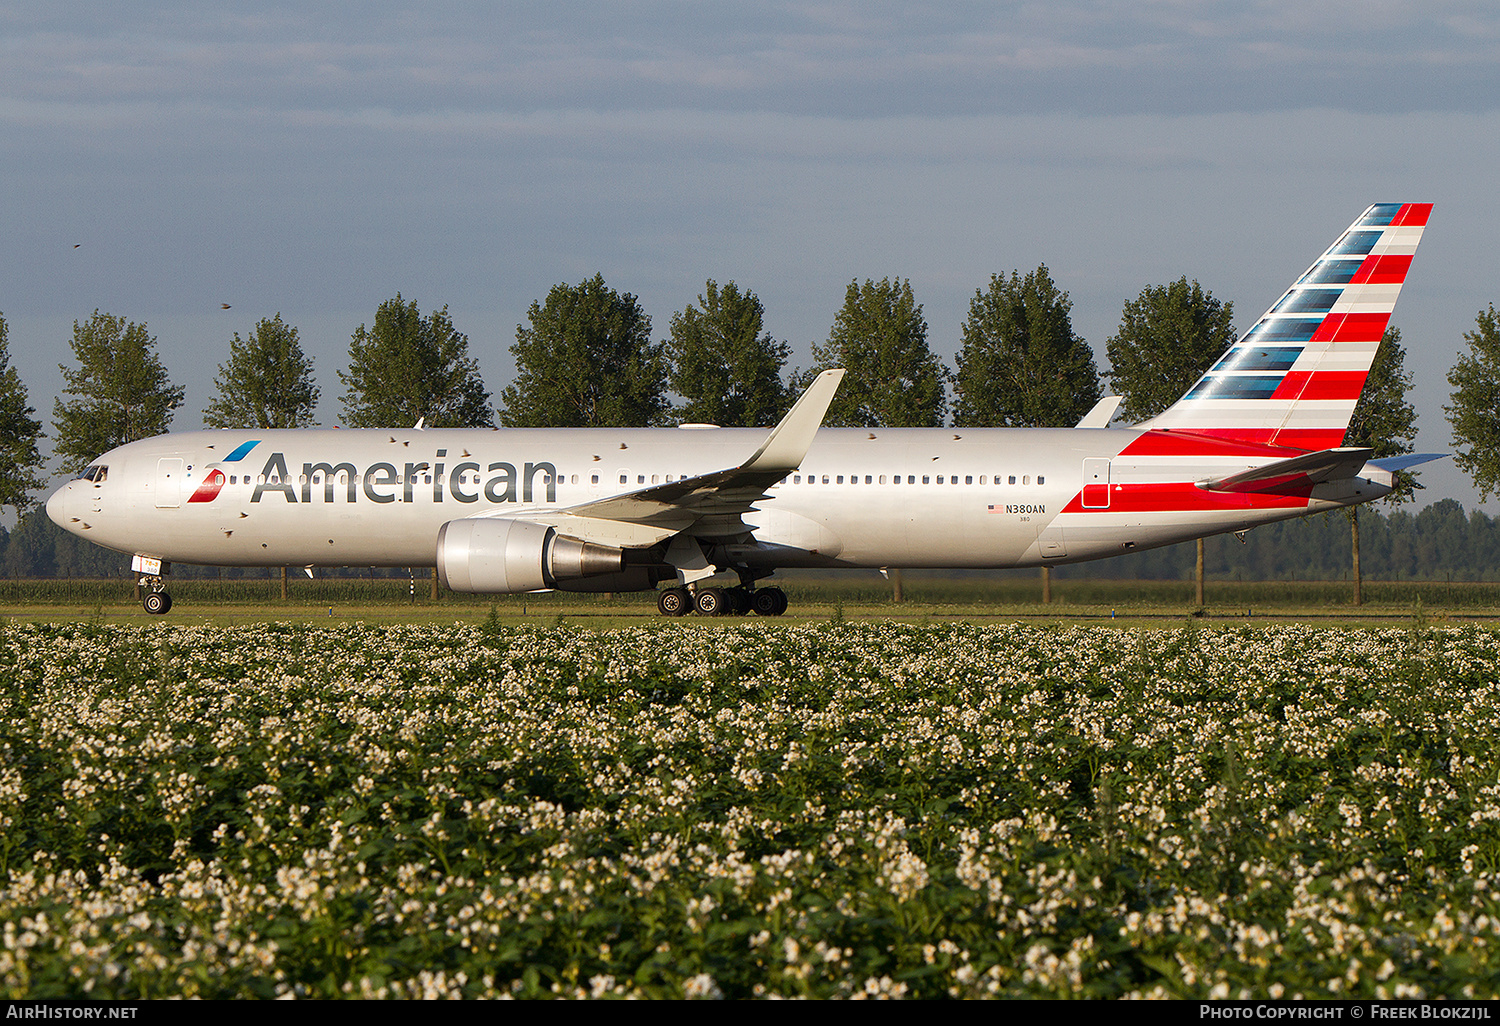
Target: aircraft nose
x,y
57,506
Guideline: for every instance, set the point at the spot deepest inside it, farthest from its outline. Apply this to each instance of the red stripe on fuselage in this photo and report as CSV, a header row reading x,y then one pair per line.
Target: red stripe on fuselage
x,y
1299,440
1184,496
1204,442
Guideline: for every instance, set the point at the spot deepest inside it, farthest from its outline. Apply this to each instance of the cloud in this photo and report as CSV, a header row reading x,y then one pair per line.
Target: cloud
x,y
839,59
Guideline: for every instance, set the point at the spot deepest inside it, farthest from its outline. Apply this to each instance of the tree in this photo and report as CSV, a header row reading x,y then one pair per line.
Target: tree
x,y
1168,337
1383,421
1021,365
1475,413
893,379
586,360
267,382
408,368
122,388
20,461
719,361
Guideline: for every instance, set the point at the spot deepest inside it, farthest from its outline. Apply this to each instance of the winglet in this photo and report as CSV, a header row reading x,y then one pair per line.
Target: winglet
x,y
787,445
1100,415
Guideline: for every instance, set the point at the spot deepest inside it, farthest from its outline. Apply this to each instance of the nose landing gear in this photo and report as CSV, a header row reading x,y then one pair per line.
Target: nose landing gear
x,y
154,598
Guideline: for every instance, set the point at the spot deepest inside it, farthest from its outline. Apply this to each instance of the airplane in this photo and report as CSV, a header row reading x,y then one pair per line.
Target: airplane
x,y
1259,438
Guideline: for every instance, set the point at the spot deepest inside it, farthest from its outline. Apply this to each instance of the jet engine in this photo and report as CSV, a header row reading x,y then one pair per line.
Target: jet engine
x,y
494,556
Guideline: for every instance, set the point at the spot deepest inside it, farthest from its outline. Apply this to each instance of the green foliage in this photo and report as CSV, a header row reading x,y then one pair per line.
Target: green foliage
x,y
409,368
880,338
1475,412
831,811
267,382
40,548
586,360
1168,337
721,363
122,389
20,461
1021,365
1383,420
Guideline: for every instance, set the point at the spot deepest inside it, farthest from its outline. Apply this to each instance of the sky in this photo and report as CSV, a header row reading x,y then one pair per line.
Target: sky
x,y
162,159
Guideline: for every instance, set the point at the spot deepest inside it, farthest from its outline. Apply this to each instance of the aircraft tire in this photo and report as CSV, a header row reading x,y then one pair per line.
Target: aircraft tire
x,y
156,602
768,601
740,601
674,601
711,602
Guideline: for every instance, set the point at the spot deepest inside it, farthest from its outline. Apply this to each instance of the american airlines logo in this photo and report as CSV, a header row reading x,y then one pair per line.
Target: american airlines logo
x,y
383,482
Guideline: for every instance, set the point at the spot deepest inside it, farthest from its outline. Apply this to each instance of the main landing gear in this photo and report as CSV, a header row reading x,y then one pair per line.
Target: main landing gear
x,y
722,601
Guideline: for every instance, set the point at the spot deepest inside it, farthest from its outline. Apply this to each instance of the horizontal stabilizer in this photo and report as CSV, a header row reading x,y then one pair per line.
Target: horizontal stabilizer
x,y
1100,415
1311,468
1411,459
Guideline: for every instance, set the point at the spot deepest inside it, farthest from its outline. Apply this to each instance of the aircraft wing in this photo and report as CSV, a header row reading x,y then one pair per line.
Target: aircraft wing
x,y
665,509
1309,468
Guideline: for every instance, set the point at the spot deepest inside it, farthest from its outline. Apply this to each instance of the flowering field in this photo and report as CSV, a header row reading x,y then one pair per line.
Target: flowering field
x,y
756,809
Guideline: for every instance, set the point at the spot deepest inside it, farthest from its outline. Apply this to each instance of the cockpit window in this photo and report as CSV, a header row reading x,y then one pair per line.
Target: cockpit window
x,y
95,474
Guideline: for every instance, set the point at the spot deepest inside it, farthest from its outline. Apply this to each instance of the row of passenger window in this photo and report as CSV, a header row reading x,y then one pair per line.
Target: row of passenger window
x,y
911,479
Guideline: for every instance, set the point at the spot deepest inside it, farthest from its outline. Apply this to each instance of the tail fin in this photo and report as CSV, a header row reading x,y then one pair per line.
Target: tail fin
x,y
1292,380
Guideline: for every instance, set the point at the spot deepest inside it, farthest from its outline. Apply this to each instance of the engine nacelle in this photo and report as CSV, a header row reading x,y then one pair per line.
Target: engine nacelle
x,y
494,556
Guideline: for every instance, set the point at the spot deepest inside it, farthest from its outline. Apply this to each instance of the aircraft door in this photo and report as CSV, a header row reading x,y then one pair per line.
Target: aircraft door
x,y
169,480
1096,484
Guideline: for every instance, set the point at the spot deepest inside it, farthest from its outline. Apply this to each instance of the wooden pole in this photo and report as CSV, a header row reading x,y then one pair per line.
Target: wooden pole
x,y
283,584
1200,573
434,584
895,575
1046,585
1359,597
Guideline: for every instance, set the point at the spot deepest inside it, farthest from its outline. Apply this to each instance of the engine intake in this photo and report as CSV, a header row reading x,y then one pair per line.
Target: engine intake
x,y
493,556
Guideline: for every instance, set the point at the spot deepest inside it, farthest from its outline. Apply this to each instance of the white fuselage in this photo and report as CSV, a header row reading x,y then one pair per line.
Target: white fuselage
x,y
941,497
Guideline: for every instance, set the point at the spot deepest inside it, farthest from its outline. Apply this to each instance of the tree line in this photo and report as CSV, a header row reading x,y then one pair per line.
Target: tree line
x,y
586,357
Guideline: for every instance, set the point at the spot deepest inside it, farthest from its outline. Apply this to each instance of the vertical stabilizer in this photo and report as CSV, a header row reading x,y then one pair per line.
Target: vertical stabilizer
x,y
1293,379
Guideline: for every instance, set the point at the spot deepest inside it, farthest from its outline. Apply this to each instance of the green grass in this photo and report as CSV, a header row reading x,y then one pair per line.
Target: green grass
x,y
814,596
